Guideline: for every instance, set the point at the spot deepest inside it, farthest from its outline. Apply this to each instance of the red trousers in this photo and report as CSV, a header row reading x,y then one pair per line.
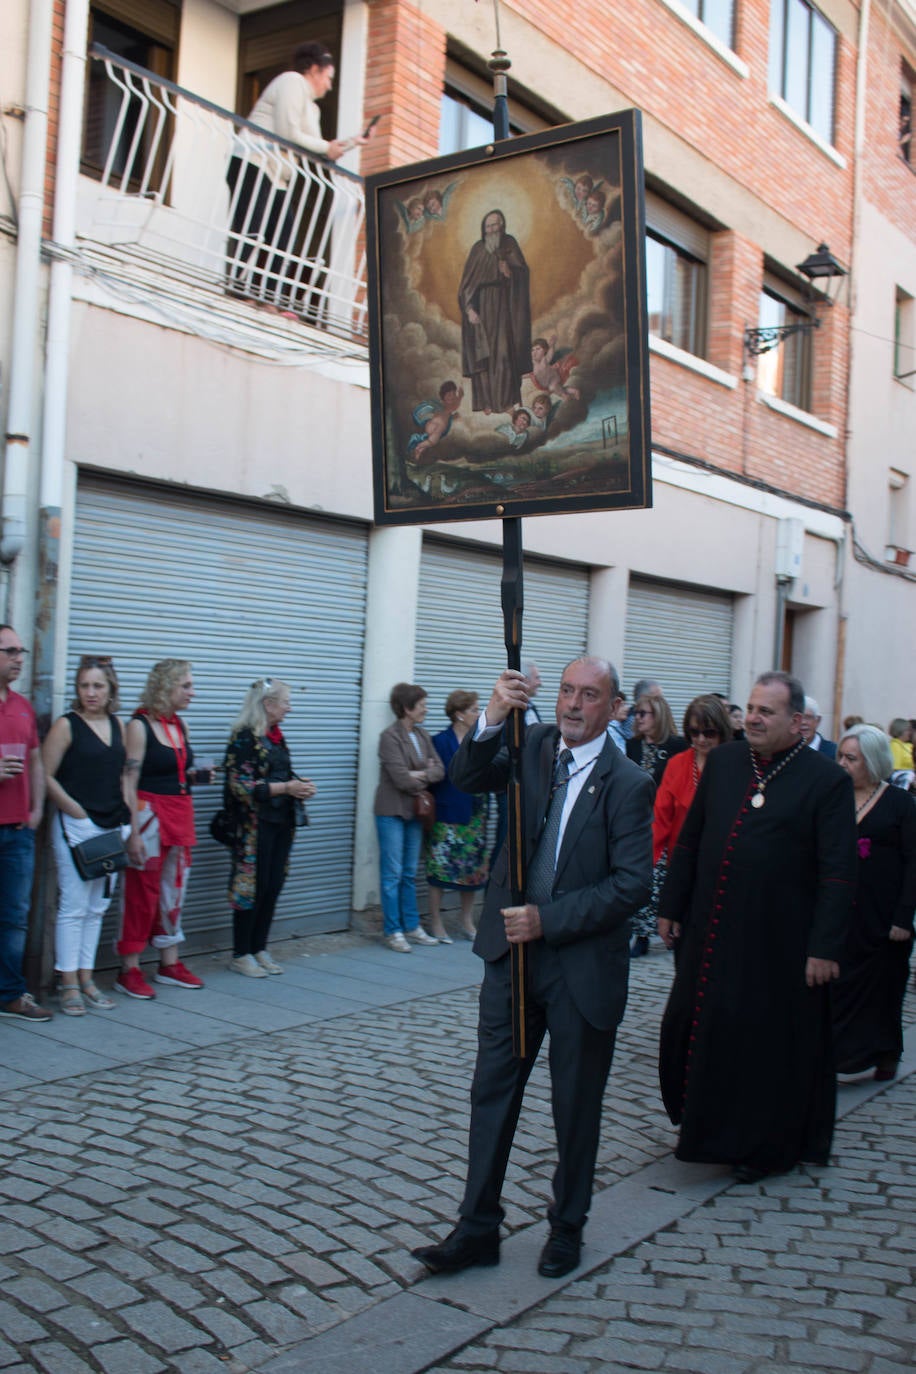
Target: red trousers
x,y
153,899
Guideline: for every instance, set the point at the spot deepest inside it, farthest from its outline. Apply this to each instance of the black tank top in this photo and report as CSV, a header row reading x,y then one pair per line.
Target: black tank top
x,y
159,773
90,772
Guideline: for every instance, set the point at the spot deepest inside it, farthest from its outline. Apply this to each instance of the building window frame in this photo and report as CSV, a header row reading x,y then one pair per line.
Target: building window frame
x,y
466,111
904,338
905,115
677,288
786,372
803,63
147,36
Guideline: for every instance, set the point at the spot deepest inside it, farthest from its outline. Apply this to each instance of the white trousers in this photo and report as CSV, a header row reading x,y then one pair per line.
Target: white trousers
x,y
80,905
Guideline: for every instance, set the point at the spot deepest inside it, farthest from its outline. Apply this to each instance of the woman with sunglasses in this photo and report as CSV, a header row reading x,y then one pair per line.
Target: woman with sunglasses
x,y
260,796
653,745
707,724
84,758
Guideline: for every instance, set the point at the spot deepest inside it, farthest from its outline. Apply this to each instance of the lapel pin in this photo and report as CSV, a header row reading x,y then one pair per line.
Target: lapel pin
x,y
591,790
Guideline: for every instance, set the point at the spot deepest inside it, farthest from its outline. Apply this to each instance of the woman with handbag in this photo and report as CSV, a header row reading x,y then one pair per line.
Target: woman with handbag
x,y
159,776
408,764
84,758
264,803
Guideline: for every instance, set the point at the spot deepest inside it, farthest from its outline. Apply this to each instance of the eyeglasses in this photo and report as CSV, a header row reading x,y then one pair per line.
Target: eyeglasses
x,y
694,733
95,661
18,652
642,713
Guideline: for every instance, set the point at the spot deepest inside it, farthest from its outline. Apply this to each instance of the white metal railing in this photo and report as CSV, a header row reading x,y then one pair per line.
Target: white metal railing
x,y
187,181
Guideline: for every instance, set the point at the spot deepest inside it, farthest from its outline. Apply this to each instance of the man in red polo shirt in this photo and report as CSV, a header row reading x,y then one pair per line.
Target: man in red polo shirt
x,y
22,795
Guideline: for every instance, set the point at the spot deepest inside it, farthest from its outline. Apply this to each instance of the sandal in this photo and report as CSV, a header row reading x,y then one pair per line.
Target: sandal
x,y
71,1002
97,999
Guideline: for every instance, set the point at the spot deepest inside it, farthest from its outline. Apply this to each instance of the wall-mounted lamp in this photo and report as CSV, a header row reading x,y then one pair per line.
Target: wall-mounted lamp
x,y
822,271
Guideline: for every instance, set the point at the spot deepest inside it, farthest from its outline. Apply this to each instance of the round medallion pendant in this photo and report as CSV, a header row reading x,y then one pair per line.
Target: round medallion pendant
x,y
757,800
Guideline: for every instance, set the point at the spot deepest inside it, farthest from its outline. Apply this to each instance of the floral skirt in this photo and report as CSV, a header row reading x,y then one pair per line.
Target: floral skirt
x,y
457,856
643,921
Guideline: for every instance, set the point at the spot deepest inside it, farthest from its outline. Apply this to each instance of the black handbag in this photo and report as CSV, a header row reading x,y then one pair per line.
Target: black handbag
x,y
99,857
222,829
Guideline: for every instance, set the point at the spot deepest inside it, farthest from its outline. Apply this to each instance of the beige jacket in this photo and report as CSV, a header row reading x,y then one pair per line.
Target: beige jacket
x,y
398,758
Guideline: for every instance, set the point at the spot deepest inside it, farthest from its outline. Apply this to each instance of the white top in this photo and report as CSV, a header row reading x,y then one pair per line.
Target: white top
x,y
287,107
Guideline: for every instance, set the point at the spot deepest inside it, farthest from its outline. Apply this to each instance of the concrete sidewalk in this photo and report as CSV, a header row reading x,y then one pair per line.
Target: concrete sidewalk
x,y
232,1179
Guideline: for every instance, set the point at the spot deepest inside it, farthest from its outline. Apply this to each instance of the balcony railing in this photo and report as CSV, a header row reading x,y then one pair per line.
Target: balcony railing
x,y
181,182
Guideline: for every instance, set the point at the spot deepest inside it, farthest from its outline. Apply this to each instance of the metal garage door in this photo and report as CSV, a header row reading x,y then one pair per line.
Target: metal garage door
x,y
460,627
243,593
682,636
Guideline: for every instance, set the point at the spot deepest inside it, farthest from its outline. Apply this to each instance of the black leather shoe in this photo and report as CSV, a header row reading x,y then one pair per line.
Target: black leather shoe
x,y
560,1255
460,1250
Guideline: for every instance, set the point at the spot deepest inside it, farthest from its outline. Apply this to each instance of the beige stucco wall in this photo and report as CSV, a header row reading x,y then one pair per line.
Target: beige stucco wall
x,y
880,660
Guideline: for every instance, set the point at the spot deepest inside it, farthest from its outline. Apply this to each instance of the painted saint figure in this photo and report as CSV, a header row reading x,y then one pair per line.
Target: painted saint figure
x,y
495,307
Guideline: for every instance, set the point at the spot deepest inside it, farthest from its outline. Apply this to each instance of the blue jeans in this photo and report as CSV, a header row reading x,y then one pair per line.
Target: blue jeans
x,y
17,863
399,845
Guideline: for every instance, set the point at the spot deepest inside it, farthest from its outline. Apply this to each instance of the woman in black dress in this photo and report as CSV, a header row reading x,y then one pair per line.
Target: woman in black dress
x,y
260,795
84,761
868,999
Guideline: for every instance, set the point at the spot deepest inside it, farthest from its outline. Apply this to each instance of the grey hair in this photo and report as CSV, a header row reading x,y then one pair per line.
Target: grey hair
x,y
605,665
876,751
812,708
252,716
795,689
643,686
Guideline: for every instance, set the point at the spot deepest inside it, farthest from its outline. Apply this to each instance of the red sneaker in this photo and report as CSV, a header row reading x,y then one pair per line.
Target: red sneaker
x,y
131,982
177,976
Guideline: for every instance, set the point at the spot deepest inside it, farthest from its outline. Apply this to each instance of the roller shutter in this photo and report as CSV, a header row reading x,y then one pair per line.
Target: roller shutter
x,y
460,627
682,636
243,593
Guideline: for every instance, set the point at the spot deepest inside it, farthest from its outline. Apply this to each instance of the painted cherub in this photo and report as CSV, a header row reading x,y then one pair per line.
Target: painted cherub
x,y
550,369
542,410
517,427
595,212
578,191
435,202
412,213
434,419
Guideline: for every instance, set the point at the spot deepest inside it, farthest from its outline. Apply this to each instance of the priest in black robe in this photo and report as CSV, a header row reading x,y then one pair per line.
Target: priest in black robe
x,y
495,300
756,904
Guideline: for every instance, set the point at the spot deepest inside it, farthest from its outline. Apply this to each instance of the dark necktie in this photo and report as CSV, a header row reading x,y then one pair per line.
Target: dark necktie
x,y
544,864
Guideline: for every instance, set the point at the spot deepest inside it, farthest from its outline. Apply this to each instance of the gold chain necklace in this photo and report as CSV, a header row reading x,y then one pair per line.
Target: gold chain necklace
x,y
762,783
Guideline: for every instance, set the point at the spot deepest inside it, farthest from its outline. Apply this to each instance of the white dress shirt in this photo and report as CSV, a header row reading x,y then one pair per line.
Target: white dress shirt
x,y
584,756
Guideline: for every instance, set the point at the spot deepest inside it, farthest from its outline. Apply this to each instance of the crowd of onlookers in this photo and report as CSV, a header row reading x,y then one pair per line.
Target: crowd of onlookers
x,y
122,796
130,785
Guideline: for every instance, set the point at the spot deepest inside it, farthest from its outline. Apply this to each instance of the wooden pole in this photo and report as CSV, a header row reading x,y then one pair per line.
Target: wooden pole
x,y
513,602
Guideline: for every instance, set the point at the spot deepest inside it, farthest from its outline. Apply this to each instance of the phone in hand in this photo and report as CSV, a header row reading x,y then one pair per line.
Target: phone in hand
x,y
371,125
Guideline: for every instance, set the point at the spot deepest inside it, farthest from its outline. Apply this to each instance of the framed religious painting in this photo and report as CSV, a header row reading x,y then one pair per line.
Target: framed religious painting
x,y
508,328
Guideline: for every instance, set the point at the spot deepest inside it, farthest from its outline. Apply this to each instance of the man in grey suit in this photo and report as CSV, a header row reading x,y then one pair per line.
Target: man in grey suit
x,y
588,848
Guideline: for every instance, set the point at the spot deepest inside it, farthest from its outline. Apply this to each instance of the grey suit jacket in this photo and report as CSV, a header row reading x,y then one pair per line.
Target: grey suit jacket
x,y
604,869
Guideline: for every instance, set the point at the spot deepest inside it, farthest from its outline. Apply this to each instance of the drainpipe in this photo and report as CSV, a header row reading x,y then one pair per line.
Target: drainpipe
x,y
860,134
26,297
57,354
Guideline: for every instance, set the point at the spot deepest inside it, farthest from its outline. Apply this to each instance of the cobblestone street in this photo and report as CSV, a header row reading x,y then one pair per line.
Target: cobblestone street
x,y
243,1195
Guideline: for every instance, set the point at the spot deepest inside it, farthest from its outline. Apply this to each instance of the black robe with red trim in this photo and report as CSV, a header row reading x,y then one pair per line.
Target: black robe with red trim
x,y
746,1061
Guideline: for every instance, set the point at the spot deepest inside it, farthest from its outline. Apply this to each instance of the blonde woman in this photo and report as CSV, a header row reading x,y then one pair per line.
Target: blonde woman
x,y
260,795
84,760
159,775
